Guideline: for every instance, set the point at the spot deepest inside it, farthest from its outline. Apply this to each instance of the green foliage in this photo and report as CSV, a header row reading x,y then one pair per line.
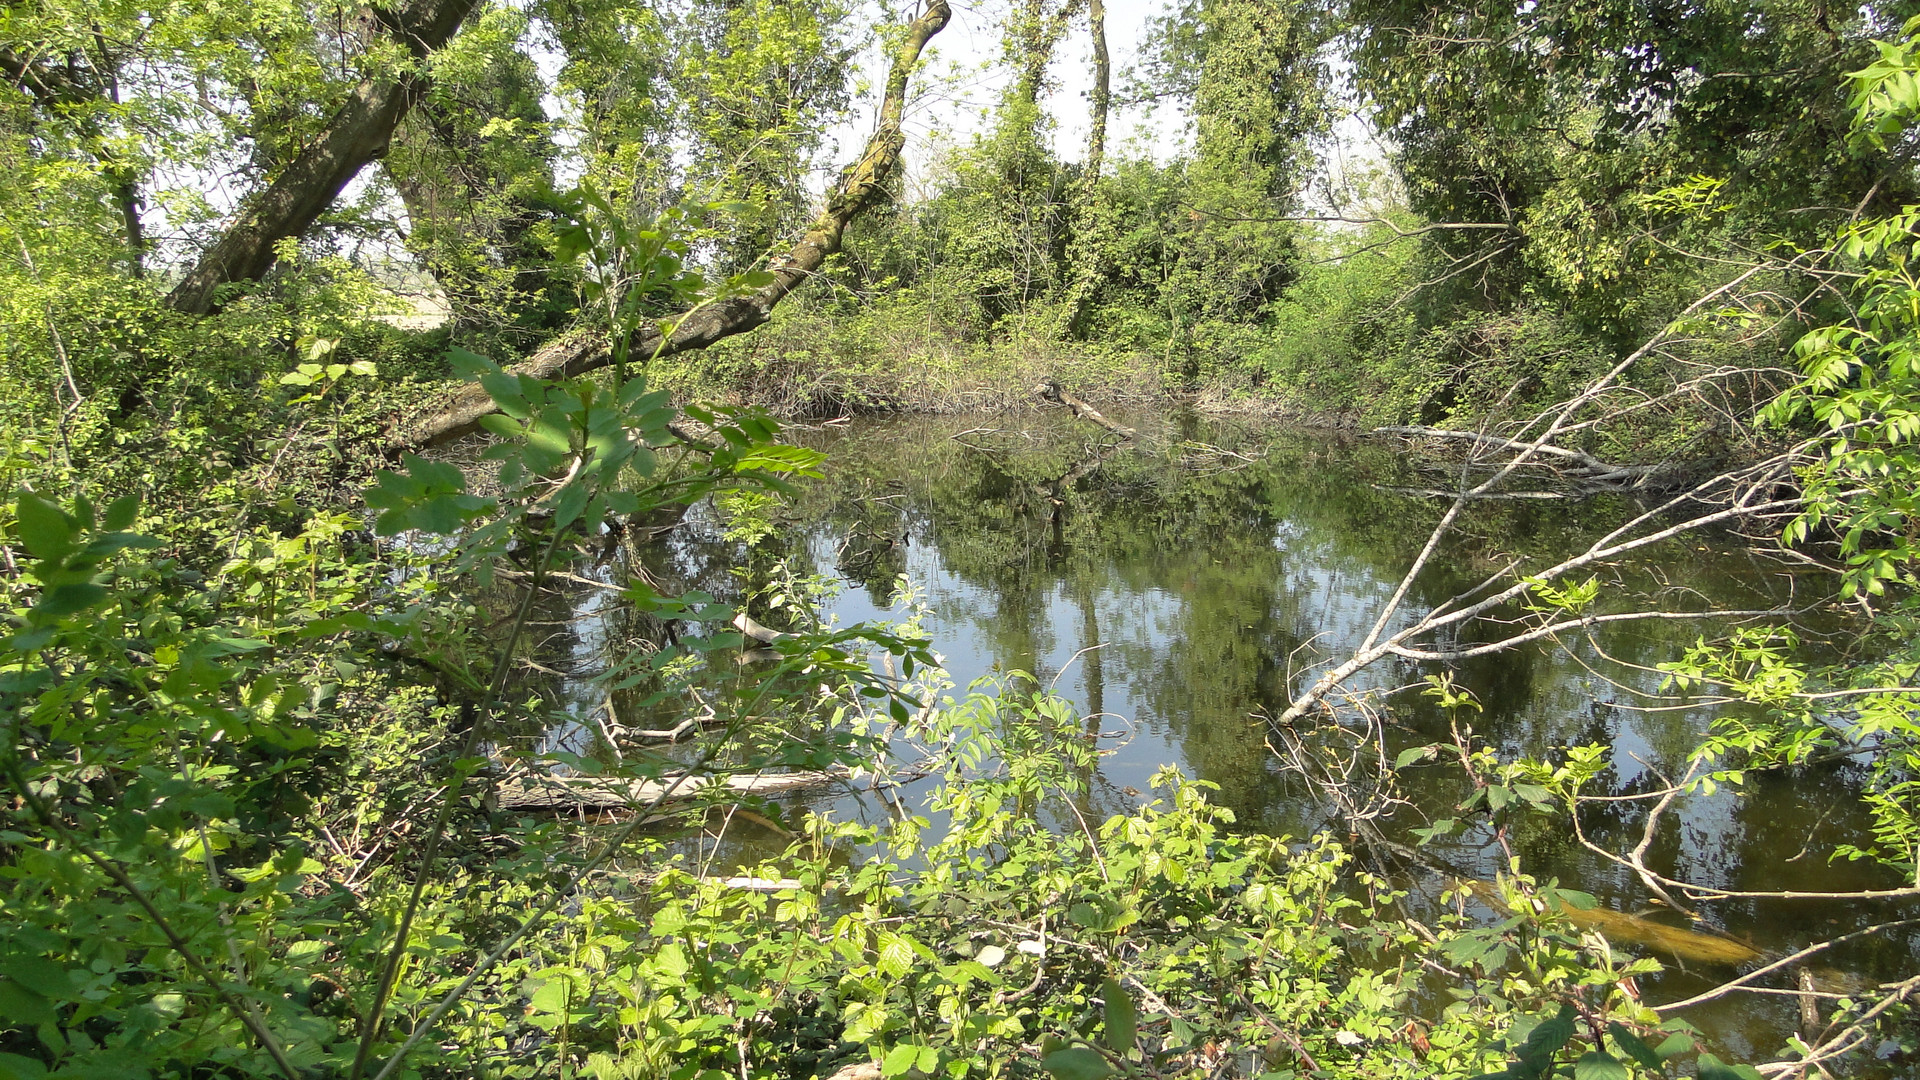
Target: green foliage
x,y
187,755
1856,408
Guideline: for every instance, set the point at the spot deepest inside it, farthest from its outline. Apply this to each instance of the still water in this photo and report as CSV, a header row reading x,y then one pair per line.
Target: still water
x,y
1186,585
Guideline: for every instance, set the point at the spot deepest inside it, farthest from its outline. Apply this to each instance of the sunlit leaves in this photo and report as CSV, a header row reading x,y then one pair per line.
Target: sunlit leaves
x,y
71,550
429,496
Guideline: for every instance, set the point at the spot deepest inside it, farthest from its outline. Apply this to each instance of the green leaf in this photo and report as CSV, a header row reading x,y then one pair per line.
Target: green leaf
x,y
1677,1043
1549,1036
434,474
1712,1068
21,1005
1576,899
1633,1045
504,389
1120,1016
1076,1063
1412,754
15,1067
59,601
44,528
899,1059
121,513
1598,1065
896,955
469,365
501,426
567,508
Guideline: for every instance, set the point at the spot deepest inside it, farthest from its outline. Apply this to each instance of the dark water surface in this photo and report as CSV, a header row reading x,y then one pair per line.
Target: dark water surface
x,y
1189,584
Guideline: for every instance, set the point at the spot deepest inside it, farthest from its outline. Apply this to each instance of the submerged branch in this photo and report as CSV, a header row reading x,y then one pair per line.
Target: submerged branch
x,y
1584,465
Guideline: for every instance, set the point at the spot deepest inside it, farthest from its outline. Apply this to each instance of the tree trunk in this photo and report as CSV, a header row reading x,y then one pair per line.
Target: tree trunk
x,y
1101,99
587,350
357,134
1088,260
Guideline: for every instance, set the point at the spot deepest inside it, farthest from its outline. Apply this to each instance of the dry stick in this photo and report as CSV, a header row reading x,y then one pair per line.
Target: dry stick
x,y
1708,892
1571,624
1597,551
1050,390
1439,617
1595,468
1849,1037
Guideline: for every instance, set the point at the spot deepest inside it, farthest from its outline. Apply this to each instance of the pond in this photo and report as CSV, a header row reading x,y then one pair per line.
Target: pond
x,y
1182,588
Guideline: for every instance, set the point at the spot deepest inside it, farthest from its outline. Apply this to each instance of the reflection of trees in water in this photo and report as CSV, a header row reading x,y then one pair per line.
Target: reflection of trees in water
x,y
1217,582
1214,589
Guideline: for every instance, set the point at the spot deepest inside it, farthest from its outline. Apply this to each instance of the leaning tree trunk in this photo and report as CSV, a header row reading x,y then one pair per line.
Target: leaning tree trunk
x,y
859,189
357,134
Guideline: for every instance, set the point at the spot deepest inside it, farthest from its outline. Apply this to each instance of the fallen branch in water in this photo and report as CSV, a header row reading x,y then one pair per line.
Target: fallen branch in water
x,y
549,792
1050,390
640,736
611,793
765,635
1584,465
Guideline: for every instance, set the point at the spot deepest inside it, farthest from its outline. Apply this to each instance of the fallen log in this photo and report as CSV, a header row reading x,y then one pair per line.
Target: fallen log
x,y
611,793
549,792
1051,391
1583,464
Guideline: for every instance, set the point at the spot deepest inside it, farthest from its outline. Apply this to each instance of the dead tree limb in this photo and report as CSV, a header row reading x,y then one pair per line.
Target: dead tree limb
x,y
860,188
606,793
1737,501
358,132
1583,464
1051,391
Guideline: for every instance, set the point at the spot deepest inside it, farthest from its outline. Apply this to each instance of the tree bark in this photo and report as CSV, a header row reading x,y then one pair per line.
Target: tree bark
x,y
1089,233
357,134
1101,98
600,793
1050,390
583,351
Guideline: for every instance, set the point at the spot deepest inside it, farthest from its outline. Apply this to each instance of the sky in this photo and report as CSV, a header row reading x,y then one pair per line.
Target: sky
x,y
965,77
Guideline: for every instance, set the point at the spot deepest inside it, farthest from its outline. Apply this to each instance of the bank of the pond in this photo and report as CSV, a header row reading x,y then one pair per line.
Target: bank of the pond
x,y
812,382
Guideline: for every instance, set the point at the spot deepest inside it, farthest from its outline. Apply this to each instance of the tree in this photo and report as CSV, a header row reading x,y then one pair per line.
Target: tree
x,y
1562,120
861,185
760,82
473,164
359,130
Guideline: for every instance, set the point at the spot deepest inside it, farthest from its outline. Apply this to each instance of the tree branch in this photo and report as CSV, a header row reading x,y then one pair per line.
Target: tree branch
x,y
859,189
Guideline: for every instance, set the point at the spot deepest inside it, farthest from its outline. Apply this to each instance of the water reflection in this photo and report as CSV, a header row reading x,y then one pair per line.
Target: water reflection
x,y
1190,583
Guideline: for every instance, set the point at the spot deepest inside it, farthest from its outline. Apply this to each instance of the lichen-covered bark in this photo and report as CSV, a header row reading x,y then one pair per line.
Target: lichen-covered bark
x,y
859,188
